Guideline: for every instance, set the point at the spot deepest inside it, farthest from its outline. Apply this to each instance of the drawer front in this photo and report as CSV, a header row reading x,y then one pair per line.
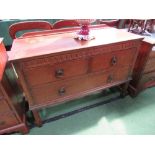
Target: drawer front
x,y
7,118
148,79
150,65
49,73
46,93
113,59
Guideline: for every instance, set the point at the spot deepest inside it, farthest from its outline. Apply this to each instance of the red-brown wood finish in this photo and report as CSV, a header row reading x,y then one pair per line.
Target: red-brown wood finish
x,y
54,68
12,117
144,70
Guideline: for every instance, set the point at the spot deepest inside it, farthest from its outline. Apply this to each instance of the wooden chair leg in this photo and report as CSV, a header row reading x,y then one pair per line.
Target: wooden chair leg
x,y
37,121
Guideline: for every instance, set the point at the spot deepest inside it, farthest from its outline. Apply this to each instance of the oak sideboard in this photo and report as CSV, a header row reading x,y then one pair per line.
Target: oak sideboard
x,y
55,67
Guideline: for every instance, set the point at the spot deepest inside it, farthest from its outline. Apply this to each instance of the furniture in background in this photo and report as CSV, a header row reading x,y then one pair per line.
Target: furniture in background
x,y
55,67
144,70
12,115
28,25
117,23
65,23
142,27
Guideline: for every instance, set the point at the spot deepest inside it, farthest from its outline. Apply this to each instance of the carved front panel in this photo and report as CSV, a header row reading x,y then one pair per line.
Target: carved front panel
x,y
77,54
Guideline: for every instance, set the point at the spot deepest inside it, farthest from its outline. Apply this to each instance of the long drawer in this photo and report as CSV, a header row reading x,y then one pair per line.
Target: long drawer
x,y
47,93
49,72
7,117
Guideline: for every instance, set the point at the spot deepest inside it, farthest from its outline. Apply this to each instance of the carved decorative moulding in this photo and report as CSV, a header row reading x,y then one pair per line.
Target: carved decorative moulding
x,y
84,33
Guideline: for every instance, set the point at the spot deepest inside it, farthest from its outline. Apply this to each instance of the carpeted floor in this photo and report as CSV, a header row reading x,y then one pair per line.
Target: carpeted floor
x,y
122,116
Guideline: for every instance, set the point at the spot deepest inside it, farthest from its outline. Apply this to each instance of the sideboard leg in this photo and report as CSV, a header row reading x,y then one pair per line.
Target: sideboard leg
x,y
124,89
37,121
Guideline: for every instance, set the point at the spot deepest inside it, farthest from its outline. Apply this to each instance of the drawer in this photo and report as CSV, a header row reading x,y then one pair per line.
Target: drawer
x,y
7,118
150,65
47,93
49,73
148,79
113,59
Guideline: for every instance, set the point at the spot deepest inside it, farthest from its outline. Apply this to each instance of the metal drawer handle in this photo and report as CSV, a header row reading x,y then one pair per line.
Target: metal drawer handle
x,y
110,79
114,60
59,73
2,122
61,91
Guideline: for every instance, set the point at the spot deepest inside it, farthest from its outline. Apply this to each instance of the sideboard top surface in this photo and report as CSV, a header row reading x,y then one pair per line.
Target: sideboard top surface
x,y
48,44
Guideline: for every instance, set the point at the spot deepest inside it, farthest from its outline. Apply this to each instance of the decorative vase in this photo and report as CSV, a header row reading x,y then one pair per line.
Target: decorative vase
x,y
84,33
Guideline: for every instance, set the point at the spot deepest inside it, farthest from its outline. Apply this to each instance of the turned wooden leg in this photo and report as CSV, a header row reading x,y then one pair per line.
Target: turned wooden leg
x,y
37,121
124,89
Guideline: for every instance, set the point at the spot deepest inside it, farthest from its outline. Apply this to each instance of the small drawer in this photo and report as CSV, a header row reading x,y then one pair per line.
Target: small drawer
x,y
7,118
45,94
113,59
50,73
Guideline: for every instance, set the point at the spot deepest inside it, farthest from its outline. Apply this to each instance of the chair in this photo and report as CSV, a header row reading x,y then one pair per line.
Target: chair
x,y
65,23
28,25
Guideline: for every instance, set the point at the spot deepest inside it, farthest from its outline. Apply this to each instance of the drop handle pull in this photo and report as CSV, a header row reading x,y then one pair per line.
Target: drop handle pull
x,y
61,91
114,60
110,78
59,73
